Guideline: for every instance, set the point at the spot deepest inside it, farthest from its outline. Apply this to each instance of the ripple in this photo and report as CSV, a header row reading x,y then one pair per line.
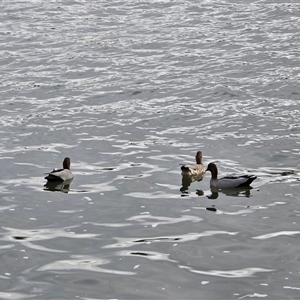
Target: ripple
x,y
8,207
130,242
237,192
291,287
111,225
279,174
15,295
154,195
151,255
240,273
145,220
254,295
28,237
275,234
244,212
82,262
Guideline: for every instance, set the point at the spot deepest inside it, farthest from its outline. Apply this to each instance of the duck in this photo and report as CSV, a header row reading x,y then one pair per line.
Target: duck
x,y
228,181
60,175
58,186
194,169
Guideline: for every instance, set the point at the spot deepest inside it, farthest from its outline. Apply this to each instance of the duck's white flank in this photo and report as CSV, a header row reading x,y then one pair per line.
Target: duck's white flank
x,y
61,174
228,181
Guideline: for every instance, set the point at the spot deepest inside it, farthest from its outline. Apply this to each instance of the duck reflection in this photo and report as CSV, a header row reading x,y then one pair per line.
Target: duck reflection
x,y
236,192
187,180
58,186
213,209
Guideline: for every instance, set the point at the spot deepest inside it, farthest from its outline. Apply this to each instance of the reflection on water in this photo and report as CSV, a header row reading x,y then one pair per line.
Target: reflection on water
x,y
213,209
236,192
215,193
151,255
276,234
82,262
187,180
131,242
58,186
246,272
15,296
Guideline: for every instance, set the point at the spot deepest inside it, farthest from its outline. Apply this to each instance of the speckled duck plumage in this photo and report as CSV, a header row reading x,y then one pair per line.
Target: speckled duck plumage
x,y
194,169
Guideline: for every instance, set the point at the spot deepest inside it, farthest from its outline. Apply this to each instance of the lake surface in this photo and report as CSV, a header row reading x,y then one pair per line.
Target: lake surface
x,y
129,90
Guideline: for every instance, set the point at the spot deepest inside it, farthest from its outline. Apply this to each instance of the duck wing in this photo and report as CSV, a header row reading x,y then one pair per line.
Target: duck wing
x,y
235,181
193,169
59,175
53,177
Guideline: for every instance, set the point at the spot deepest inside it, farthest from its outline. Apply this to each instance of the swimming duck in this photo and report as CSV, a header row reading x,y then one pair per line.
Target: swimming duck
x,y
61,174
60,186
228,181
194,169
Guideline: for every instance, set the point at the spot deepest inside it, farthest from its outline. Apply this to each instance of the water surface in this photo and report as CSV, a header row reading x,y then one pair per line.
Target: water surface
x,y
130,90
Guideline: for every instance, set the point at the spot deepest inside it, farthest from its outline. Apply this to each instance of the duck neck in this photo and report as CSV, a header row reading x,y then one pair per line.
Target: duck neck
x,y
214,173
66,164
199,159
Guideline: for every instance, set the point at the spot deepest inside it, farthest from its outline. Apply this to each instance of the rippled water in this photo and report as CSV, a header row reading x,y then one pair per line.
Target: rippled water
x,y
130,90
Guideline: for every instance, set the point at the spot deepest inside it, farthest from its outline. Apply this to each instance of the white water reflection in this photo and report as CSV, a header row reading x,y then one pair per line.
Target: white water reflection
x,y
146,220
29,238
154,195
130,242
15,296
82,262
240,273
151,255
256,295
275,234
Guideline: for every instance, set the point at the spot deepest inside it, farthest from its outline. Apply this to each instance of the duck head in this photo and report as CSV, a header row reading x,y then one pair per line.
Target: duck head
x,y
213,169
66,163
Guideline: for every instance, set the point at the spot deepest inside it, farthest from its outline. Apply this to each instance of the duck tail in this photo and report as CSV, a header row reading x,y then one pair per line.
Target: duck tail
x,y
251,178
185,169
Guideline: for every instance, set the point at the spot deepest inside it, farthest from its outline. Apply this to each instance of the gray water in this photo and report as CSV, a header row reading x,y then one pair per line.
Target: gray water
x,y
129,90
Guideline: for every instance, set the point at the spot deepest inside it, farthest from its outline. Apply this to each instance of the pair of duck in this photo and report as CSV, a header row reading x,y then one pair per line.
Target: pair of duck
x,y
64,174
220,183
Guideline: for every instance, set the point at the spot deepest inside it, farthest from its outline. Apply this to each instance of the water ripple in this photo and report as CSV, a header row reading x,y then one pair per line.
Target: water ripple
x,y
151,255
130,242
145,220
275,234
15,296
82,262
28,237
129,90
240,273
